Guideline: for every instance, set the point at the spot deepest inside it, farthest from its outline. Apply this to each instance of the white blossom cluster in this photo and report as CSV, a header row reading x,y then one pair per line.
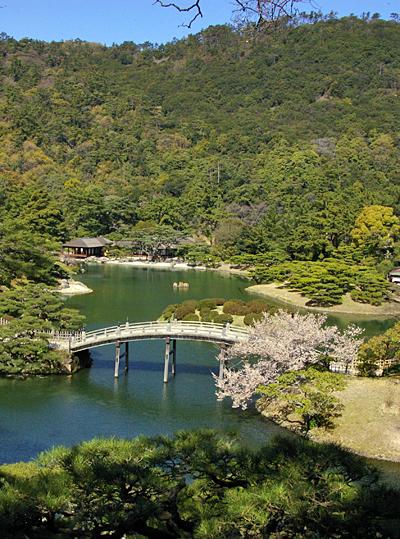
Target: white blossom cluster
x,y
279,343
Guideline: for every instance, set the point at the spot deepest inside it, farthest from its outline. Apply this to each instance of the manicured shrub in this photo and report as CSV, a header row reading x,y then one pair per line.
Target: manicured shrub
x,y
219,301
207,304
326,282
257,306
250,318
222,318
191,317
169,311
191,303
204,312
236,307
183,310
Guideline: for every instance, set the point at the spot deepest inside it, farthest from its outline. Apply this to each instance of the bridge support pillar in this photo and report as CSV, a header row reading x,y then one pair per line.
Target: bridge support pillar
x,y
166,359
173,371
222,361
126,356
117,358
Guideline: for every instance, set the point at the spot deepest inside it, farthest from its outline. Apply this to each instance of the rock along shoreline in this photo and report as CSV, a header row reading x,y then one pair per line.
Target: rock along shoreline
x,y
70,287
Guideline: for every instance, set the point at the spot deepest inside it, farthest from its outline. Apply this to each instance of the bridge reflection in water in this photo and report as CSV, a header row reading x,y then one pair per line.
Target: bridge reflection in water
x,y
223,335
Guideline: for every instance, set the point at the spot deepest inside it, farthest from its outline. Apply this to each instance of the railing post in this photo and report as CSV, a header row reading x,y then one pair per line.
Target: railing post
x,y
117,357
166,359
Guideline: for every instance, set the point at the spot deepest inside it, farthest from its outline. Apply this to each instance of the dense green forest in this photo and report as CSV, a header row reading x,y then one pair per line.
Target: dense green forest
x,y
291,134
272,144
283,145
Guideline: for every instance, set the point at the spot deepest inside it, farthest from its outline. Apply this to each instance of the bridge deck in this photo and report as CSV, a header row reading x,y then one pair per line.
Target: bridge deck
x,y
198,331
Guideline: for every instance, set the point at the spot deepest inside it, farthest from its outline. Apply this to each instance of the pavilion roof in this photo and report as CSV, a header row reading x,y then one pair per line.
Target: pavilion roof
x,y
88,242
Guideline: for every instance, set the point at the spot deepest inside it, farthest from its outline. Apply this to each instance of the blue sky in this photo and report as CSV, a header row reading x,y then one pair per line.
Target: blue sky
x,y
108,21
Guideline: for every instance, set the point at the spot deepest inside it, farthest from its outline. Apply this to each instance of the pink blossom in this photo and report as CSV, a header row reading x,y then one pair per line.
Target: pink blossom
x,y
282,342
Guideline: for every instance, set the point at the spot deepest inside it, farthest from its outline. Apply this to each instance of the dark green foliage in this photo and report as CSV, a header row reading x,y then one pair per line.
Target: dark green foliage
x,y
325,283
192,303
183,310
207,304
169,311
41,305
249,260
221,318
258,306
208,311
250,318
23,354
236,307
304,399
217,134
191,317
205,313
196,485
27,255
146,238
381,353
392,370
31,311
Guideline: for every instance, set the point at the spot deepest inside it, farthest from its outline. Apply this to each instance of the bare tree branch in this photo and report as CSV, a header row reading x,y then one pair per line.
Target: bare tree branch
x,y
195,7
265,11
258,11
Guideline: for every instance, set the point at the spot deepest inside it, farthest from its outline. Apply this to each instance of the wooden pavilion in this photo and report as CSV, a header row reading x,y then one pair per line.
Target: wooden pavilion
x,y
85,247
394,276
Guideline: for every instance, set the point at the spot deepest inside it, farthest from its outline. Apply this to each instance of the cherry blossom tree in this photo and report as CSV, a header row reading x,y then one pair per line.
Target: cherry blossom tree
x,y
279,343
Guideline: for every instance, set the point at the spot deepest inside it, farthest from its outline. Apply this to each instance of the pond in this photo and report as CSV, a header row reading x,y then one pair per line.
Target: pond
x,y
39,413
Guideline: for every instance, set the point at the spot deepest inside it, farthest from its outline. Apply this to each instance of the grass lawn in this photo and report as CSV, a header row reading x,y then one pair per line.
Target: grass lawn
x,y
370,422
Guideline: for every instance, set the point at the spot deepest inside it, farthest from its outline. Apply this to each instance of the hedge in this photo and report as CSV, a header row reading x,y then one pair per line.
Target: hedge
x,y
222,318
183,310
236,307
191,317
250,318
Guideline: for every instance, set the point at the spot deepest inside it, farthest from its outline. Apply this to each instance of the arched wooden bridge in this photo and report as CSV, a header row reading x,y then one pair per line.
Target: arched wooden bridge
x,y
224,335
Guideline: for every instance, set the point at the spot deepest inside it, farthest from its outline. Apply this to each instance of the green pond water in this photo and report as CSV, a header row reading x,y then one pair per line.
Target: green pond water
x,y
38,413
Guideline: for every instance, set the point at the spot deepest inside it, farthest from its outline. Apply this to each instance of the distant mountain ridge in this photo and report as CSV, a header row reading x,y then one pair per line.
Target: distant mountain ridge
x,y
280,140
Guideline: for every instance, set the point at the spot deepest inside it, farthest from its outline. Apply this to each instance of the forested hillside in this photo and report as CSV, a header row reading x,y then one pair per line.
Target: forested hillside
x,y
272,144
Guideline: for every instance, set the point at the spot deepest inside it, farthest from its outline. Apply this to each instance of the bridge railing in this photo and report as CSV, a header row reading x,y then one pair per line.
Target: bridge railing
x,y
153,326
132,329
159,328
